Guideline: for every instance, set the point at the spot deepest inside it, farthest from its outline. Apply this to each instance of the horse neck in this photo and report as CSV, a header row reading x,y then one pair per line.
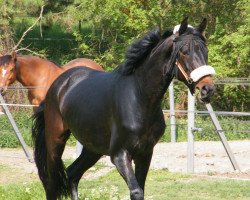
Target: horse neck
x,y
152,75
31,70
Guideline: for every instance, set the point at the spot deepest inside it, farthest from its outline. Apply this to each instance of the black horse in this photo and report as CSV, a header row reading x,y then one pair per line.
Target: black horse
x,y
119,113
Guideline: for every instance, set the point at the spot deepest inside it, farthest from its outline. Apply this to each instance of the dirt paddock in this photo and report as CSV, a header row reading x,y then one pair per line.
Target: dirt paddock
x,y
210,160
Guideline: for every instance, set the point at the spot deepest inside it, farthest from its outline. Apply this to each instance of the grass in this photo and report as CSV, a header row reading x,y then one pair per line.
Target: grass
x,y
160,185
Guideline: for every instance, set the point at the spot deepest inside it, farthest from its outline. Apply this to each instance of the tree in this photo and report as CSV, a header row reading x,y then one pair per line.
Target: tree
x,y
6,40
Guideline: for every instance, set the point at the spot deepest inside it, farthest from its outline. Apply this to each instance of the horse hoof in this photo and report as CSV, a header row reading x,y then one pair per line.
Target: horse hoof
x,y
137,194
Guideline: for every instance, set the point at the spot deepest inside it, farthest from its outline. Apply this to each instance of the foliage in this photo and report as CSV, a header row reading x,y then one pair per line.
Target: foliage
x,y
230,55
102,30
7,11
114,25
7,135
229,49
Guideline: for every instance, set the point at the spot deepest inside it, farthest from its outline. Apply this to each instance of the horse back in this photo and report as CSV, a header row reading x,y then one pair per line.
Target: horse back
x,y
82,62
66,80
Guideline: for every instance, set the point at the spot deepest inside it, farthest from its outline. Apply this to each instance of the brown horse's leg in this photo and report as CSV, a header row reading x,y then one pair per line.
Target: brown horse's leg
x,y
33,101
55,139
75,171
122,161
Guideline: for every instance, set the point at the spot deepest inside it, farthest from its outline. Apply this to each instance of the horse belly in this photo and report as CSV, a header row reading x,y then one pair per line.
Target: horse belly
x,y
87,114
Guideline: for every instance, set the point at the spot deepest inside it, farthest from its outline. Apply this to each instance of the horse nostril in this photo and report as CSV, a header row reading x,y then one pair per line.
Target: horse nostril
x,y
205,90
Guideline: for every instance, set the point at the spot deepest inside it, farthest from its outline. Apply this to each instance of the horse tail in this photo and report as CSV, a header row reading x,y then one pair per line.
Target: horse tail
x,y
38,136
61,187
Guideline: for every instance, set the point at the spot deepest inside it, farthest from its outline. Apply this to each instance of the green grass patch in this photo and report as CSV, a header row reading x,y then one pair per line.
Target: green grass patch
x,y
3,168
160,185
22,191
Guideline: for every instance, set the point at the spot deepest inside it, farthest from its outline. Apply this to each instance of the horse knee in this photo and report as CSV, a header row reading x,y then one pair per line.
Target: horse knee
x,y
137,194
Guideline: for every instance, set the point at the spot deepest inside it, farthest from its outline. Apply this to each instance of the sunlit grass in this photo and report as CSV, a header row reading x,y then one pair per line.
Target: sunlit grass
x,y
160,185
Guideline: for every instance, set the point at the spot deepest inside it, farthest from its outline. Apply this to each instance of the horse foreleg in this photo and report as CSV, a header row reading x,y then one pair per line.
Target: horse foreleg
x,y
142,164
122,161
75,171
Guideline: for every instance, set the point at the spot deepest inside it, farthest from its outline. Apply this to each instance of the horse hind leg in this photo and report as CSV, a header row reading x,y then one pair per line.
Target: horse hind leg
x,y
75,171
56,137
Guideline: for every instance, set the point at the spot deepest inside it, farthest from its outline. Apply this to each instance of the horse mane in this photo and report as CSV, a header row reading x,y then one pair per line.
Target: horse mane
x,y
140,49
5,59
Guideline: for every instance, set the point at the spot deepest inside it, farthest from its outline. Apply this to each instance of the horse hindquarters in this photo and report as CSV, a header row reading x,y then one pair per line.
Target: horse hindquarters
x,y
49,140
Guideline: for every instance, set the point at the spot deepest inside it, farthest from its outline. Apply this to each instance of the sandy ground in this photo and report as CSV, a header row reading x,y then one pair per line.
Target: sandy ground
x,y
210,159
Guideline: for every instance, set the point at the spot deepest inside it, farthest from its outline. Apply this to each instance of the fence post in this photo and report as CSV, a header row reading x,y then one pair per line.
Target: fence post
x,y
172,112
190,148
221,134
15,128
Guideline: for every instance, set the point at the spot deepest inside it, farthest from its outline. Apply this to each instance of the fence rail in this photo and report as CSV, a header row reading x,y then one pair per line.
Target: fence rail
x,y
208,112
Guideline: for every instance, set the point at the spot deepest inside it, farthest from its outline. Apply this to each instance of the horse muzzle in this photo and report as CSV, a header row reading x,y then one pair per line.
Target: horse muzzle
x,y
206,88
206,92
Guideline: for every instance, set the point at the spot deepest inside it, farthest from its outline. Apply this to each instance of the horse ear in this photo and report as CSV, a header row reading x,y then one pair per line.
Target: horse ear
x,y
184,25
13,55
202,26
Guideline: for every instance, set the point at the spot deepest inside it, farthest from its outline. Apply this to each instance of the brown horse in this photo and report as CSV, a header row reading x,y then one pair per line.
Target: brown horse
x,y
35,73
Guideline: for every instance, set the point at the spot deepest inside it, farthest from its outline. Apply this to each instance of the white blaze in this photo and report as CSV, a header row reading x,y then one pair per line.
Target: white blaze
x,y
4,71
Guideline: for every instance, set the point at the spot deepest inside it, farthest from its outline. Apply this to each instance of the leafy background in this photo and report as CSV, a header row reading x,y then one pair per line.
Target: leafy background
x,y
103,29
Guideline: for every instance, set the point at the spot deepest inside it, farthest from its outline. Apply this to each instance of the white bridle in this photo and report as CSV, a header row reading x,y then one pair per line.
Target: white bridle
x,y
177,27
202,71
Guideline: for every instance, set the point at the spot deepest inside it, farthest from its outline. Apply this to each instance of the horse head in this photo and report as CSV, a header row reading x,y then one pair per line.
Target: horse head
x,y
190,57
7,70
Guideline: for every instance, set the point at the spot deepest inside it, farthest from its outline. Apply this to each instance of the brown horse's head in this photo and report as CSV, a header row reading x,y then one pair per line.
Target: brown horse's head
x,y
191,64
7,70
